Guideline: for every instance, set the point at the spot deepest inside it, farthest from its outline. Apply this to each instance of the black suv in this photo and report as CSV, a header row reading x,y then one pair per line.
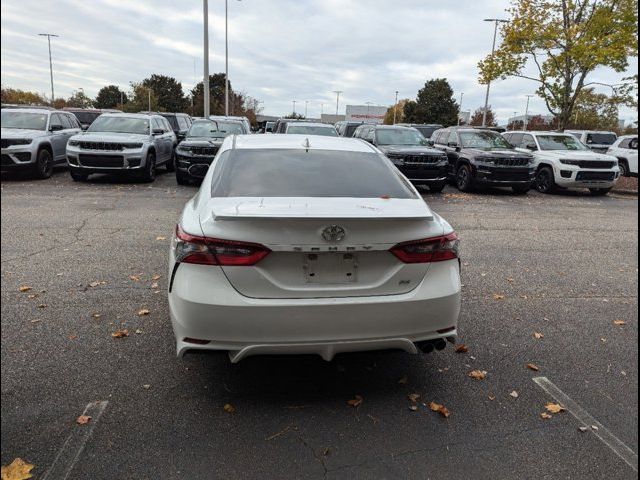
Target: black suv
x,y
483,157
201,144
409,152
347,128
180,122
425,129
86,116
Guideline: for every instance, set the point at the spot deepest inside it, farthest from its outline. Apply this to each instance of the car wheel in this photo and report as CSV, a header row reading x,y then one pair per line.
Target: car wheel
x,y
149,174
437,187
171,164
521,190
545,182
598,192
624,168
78,177
464,181
44,164
182,178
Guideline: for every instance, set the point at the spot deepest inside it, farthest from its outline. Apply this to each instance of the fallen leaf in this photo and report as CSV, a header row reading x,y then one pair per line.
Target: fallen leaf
x,y
510,280
96,315
413,397
229,408
533,366
594,427
462,348
538,335
42,305
161,238
583,429
138,331
17,470
403,380
497,296
32,295
73,337
135,278
146,386
143,312
477,374
156,277
554,407
413,408
97,283
25,288
619,322
120,333
492,398
514,394
154,285
441,409
83,419
545,415
355,402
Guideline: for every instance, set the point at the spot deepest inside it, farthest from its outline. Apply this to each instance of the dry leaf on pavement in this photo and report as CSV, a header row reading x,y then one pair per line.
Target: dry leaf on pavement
x,y
17,470
156,277
142,312
413,397
355,402
619,322
229,408
533,366
514,394
478,374
554,407
497,296
462,348
545,415
441,409
96,315
160,237
135,278
120,333
24,288
154,285
491,397
538,335
83,419
97,283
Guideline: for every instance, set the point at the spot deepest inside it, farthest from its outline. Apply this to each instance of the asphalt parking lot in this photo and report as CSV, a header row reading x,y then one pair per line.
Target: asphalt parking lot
x,y
564,266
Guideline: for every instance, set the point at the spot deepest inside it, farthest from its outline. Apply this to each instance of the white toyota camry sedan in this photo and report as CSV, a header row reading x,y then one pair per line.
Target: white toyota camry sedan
x,y
301,244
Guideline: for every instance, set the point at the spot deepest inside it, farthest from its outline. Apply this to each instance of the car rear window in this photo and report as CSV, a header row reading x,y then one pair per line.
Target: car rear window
x,y
306,173
348,132
601,138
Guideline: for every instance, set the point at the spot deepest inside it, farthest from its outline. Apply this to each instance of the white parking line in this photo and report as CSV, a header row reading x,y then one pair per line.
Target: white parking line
x,y
70,452
608,438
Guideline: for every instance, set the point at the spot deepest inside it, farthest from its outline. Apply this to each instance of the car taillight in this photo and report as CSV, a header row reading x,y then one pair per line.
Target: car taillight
x,y
213,251
436,249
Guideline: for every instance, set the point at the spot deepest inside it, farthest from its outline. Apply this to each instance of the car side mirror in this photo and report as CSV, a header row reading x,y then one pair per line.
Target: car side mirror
x,y
531,146
157,131
55,127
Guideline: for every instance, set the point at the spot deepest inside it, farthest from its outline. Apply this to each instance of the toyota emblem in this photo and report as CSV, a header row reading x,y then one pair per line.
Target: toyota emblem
x,y
333,233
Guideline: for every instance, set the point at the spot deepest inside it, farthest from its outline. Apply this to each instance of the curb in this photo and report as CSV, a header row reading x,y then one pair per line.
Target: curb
x,y
626,192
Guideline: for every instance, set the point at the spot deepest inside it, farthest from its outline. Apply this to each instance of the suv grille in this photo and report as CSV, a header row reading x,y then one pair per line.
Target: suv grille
x,y
204,150
598,164
511,162
101,146
109,161
422,159
595,176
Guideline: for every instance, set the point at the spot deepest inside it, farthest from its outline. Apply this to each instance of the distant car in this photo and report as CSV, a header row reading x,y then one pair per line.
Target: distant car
x,y
203,140
316,247
302,128
180,122
409,151
484,158
268,127
563,161
35,139
86,116
347,128
598,141
426,129
244,120
625,149
281,124
125,143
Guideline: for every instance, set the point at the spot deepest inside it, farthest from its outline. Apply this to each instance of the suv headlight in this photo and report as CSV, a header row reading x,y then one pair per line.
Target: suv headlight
x,y
73,143
183,148
20,141
133,145
575,163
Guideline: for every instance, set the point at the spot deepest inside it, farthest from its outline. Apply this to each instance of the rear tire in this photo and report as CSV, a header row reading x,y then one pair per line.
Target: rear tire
x,y
624,168
437,187
149,173
78,177
464,179
171,164
599,192
44,164
521,190
545,181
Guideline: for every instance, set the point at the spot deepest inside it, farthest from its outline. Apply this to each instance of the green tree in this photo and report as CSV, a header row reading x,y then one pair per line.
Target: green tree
x,y
399,112
563,41
139,101
434,104
216,98
594,111
12,95
110,96
476,118
167,91
78,99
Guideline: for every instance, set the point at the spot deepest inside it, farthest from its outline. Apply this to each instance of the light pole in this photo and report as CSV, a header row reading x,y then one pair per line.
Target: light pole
x,y
338,93
493,49
226,57
460,114
149,95
207,106
321,110
368,104
294,107
513,124
395,108
49,35
306,108
526,113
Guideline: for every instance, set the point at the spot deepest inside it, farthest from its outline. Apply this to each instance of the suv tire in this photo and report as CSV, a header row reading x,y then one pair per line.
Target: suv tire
x,y
624,168
43,167
182,178
545,181
171,164
521,190
598,192
437,187
149,173
464,179
78,177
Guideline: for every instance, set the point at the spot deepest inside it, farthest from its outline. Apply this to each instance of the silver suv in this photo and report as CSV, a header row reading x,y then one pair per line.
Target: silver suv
x,y
123,143
35,139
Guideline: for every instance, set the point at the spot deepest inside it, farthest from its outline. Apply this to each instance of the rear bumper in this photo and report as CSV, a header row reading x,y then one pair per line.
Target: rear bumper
x,y
215,312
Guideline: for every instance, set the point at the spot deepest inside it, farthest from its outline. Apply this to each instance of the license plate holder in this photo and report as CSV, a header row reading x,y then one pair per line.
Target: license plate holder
x,y
330,268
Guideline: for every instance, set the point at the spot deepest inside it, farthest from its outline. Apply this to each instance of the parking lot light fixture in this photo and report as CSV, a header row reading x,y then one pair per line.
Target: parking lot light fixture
x,y
395,108
205,6
226,57
526,113
49,35
460,114
493,49
338,93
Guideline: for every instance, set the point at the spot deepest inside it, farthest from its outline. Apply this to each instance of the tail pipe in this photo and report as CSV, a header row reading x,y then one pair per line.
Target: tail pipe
x,y
428,346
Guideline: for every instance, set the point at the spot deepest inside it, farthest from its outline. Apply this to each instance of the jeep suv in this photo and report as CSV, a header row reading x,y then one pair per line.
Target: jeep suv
x,y
86,116
347,128
562,161
180,122
626,151
122,143
425,129
595,140
408,151
35,139
483,157
196,152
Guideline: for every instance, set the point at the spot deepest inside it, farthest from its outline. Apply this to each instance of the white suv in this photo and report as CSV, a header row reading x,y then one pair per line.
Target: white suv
x,y
625,149
562,161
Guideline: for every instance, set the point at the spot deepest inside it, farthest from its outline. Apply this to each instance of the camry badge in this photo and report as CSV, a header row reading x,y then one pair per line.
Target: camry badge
x,y
333,233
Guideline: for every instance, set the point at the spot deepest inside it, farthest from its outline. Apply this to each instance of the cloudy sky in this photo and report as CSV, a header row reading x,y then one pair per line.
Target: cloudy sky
x,y
280,50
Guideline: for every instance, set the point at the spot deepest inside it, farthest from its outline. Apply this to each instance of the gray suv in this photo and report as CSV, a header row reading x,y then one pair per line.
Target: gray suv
x,y
35,139
127,143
